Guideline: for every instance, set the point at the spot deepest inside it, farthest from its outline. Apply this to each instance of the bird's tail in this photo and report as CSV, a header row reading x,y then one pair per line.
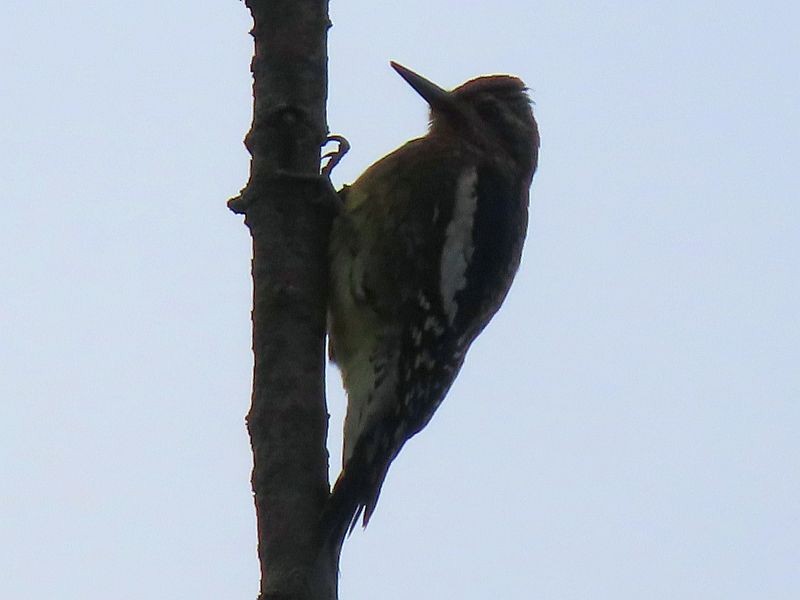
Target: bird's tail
x,y
356,491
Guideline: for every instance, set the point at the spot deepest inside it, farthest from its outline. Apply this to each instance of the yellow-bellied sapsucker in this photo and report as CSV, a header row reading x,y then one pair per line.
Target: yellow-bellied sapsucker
x,y
422,256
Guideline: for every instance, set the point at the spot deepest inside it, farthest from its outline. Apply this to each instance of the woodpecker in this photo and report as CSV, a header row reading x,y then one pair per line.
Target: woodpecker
x,y
422,256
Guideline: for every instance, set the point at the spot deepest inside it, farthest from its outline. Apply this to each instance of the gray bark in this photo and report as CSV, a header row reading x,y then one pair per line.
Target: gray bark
x,y
288,209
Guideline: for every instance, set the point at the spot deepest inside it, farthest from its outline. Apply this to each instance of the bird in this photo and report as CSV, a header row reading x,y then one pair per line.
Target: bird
x,y
422,254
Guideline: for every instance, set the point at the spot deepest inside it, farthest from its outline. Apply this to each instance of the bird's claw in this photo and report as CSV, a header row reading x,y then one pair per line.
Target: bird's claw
x,y
334,156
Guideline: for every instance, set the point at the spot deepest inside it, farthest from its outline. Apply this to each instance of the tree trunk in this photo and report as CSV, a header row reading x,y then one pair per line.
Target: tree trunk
x,y
288,210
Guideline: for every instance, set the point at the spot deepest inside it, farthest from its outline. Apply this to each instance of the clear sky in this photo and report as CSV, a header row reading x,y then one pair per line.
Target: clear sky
x,y
626,428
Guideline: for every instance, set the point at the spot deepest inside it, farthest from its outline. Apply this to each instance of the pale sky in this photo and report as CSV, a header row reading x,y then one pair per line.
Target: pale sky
x,y
627,426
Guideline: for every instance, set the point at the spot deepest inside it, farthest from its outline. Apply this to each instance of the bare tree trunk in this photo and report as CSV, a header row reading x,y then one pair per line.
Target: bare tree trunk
x,y
287,207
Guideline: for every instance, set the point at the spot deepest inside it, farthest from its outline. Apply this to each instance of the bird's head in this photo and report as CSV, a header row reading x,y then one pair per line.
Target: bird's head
x,y
492,112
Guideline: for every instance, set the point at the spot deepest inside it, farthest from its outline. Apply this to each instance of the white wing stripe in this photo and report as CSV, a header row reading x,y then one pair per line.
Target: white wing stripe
x,y
457,249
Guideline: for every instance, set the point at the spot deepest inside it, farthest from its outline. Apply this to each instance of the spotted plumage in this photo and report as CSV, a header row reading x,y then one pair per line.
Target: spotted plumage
x,y
422,256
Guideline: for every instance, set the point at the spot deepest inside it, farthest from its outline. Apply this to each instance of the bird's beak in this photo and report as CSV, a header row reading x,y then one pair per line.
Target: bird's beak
x,y
436,97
